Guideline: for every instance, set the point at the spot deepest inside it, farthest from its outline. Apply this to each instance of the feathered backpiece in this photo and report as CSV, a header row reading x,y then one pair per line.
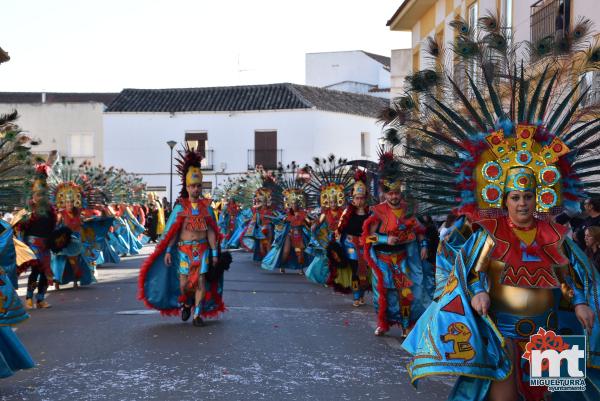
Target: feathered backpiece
x,y
189,167
293,181
112,185
16,164
496,114
70,185
139,195
240,189
330,182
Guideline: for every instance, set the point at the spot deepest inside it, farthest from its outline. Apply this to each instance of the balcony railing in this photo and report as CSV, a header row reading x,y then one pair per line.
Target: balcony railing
x,y
267,158
544,19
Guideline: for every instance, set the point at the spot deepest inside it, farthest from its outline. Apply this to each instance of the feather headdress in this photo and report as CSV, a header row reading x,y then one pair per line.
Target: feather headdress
x,y
330,181
189,167
492,110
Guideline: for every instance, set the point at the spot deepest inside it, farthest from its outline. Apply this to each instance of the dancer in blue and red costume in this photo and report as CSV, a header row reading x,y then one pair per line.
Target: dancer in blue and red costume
x,y
288,250
330,184
184,271
231,222
258,235
511,160
349,231
394,244
37,230
70,199
13,355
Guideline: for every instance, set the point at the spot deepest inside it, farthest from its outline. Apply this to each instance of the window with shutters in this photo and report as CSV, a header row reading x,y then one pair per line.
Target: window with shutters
x,y
81,145
265,149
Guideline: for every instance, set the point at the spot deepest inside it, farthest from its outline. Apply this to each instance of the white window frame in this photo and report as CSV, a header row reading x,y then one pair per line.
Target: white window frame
x,y
506,14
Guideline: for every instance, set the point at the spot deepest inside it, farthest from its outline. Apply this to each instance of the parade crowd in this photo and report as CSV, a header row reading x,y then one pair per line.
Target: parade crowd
x,y
509,156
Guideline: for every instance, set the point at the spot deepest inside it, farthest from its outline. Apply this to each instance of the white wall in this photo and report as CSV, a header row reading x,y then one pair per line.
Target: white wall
x,y
53,123
137,141
324,69
401,67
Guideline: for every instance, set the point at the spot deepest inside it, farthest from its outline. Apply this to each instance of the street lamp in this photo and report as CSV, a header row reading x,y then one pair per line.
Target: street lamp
x,y
171,145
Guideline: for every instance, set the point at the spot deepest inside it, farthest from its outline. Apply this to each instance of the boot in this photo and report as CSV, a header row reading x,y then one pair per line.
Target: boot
x,y
186,312
43,304
198,322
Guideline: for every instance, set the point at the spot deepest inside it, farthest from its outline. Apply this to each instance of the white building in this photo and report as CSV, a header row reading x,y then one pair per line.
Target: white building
x,y
68,123
237,127
353,71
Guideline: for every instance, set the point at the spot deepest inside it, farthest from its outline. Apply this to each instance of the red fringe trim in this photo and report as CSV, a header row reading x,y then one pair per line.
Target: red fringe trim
x,y
382,300
160,248
214,294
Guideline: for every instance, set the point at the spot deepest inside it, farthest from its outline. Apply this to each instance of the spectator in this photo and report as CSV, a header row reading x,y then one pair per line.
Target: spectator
x,y
152,221
592,245
559,23
447,226
565,220
592,210
166,207
432,235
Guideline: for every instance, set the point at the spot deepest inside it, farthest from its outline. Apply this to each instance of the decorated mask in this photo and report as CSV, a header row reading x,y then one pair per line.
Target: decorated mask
x,y
332,195
68,192
293,197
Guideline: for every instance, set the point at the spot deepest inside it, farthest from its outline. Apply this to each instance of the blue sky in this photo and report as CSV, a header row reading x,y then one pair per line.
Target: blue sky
x,y
108,45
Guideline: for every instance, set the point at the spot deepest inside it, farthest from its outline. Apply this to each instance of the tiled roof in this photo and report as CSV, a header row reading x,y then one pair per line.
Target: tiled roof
x,y
56,97
386,61
284,96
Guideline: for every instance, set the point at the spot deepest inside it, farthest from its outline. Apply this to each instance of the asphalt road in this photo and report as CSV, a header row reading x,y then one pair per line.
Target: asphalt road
x,y
283,338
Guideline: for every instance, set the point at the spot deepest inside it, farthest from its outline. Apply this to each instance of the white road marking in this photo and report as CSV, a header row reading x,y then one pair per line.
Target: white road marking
x,y
138,312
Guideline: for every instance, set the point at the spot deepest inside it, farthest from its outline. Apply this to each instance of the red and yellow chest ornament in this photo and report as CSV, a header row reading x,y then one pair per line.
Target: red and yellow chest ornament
x,y
519,163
